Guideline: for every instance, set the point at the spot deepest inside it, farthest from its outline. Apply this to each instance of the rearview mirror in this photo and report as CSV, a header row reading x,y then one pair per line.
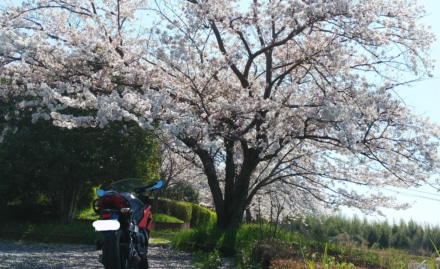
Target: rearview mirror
x,y
158,185
100,192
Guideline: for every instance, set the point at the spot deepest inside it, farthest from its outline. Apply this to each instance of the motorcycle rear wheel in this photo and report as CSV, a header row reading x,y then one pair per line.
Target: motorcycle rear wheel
x,y
113,254
144,262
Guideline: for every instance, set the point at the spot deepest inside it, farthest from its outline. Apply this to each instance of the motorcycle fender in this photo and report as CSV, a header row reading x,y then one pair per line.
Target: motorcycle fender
x,y
145,222
106,225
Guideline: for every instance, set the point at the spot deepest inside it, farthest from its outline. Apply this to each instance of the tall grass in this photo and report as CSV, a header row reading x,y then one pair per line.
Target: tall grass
x,y
326,261
251,250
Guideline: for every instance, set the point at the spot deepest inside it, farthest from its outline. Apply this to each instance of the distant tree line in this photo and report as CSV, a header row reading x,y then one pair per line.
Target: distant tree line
x,y
409,235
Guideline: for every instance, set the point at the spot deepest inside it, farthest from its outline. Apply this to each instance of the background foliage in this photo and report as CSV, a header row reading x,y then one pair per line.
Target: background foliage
x,y
50,171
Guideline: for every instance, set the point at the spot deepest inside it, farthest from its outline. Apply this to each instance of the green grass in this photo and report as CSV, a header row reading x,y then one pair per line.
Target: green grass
x,y
79,231
162,236
255,246
250,240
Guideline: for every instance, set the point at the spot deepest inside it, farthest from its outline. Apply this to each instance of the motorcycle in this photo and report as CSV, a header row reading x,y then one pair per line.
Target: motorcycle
x,y
125,221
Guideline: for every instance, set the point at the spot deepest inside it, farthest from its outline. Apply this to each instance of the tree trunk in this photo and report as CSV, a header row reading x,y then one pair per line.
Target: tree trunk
x,y
231,219
69,198
231,204
235,204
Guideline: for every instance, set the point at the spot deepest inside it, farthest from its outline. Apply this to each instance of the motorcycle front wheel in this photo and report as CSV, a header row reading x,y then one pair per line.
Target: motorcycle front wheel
x,y
144,250
114,256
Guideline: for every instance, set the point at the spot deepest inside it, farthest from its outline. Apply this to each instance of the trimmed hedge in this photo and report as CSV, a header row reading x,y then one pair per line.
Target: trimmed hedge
x,y
188,212
201,215
178,209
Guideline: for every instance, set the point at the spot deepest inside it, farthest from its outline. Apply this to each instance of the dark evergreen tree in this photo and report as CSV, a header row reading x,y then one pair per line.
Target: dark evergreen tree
x,y
49,170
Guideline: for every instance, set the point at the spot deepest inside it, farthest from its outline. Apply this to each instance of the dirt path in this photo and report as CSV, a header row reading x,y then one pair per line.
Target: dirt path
x,y
19,254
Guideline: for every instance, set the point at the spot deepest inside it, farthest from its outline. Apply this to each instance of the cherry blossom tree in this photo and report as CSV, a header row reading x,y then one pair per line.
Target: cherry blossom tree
x,y
176,168
294,96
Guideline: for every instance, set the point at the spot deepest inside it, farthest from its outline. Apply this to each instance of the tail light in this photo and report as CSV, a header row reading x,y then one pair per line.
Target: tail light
x,y
106,215
112,202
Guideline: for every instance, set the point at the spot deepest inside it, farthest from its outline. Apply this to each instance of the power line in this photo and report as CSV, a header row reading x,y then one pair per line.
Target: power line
x,y
415,195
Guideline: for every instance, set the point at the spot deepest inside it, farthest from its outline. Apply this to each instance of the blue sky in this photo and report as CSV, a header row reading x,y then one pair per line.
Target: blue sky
x,y
424,98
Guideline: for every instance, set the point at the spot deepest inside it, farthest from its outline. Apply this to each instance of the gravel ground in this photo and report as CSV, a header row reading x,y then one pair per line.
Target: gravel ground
x,y
23,254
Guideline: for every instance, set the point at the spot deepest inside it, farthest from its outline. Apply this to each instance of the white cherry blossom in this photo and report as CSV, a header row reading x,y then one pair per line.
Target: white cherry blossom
x,y
294,97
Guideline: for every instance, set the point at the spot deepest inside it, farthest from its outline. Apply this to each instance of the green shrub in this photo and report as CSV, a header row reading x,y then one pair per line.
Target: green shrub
x,y
159,217
178,209
188,212
202,216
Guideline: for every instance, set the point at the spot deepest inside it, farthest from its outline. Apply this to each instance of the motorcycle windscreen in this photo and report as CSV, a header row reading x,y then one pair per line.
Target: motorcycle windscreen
x,y
106,225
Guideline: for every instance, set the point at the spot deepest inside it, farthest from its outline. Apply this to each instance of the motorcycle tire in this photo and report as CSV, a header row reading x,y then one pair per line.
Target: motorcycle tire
x,y
113,255
144,251
144,262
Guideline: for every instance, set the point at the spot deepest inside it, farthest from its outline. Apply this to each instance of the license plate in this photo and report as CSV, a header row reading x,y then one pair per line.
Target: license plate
x,y
106,225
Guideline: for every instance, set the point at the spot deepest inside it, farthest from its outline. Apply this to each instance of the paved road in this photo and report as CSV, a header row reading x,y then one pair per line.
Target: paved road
x,y
22,255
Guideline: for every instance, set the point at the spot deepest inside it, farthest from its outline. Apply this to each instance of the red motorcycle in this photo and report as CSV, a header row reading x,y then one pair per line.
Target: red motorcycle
x,y
125,222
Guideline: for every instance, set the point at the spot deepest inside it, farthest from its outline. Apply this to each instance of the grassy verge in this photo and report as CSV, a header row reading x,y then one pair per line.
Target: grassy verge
x,y
162,236
77,232
252,246
256,247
